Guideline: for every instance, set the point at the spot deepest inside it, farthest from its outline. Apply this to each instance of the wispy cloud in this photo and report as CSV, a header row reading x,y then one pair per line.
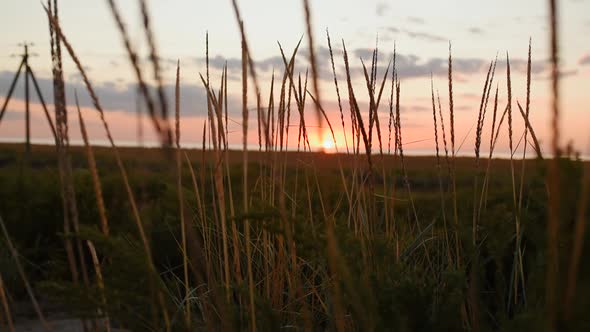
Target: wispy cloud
x,y
564,73
382,8
417,34
476,31
416,20
415,108
425,36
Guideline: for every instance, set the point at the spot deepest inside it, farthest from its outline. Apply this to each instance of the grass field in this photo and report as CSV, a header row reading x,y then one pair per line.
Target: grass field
x,y
408,277
277,237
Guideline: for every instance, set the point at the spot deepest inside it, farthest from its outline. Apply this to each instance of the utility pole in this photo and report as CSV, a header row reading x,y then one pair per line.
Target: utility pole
x,y
138,110
27,109
29,76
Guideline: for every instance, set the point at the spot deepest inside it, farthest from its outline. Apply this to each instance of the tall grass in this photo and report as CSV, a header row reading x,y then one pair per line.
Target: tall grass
x,y
5,307
553,176
97,105
271,239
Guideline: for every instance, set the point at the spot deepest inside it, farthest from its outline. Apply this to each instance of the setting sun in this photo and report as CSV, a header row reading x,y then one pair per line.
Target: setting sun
x,y
328,144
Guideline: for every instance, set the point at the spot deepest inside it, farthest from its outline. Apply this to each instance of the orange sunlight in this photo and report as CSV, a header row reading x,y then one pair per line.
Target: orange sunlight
x,y
328,144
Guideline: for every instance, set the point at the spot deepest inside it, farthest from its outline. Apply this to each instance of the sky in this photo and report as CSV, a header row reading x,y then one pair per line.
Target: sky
x,y
421,30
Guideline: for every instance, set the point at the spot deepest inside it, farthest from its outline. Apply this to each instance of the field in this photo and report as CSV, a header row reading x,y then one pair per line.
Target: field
x,y
279,236
408,277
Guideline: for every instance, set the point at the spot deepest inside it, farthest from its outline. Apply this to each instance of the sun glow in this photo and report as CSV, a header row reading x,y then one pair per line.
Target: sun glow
x,y
328,144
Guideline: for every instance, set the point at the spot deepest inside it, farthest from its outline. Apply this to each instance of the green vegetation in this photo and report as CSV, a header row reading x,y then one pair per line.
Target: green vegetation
x,y
406,280
371,239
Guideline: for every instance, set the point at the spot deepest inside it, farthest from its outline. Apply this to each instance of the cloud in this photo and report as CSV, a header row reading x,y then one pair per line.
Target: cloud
x,y
165,63
12,114
266,65
462,108
469,95
416,20
412,66
417,34
562,73
409,66
424,36
382,8
416,108
584,60
520,65
275,62
568,73
363,53
218,62
475,31
117,96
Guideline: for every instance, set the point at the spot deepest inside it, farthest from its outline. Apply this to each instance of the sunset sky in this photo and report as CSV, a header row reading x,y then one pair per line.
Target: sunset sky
x,y
478,31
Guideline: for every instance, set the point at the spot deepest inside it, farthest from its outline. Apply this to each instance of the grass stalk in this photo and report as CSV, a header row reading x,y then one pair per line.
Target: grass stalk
x,y
100,283
245,189
337,91
23,276
578,243
314,69
219,189
453,157
438,168
185,263
155,60
134,61
553,176
60,121
104,225
5,306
